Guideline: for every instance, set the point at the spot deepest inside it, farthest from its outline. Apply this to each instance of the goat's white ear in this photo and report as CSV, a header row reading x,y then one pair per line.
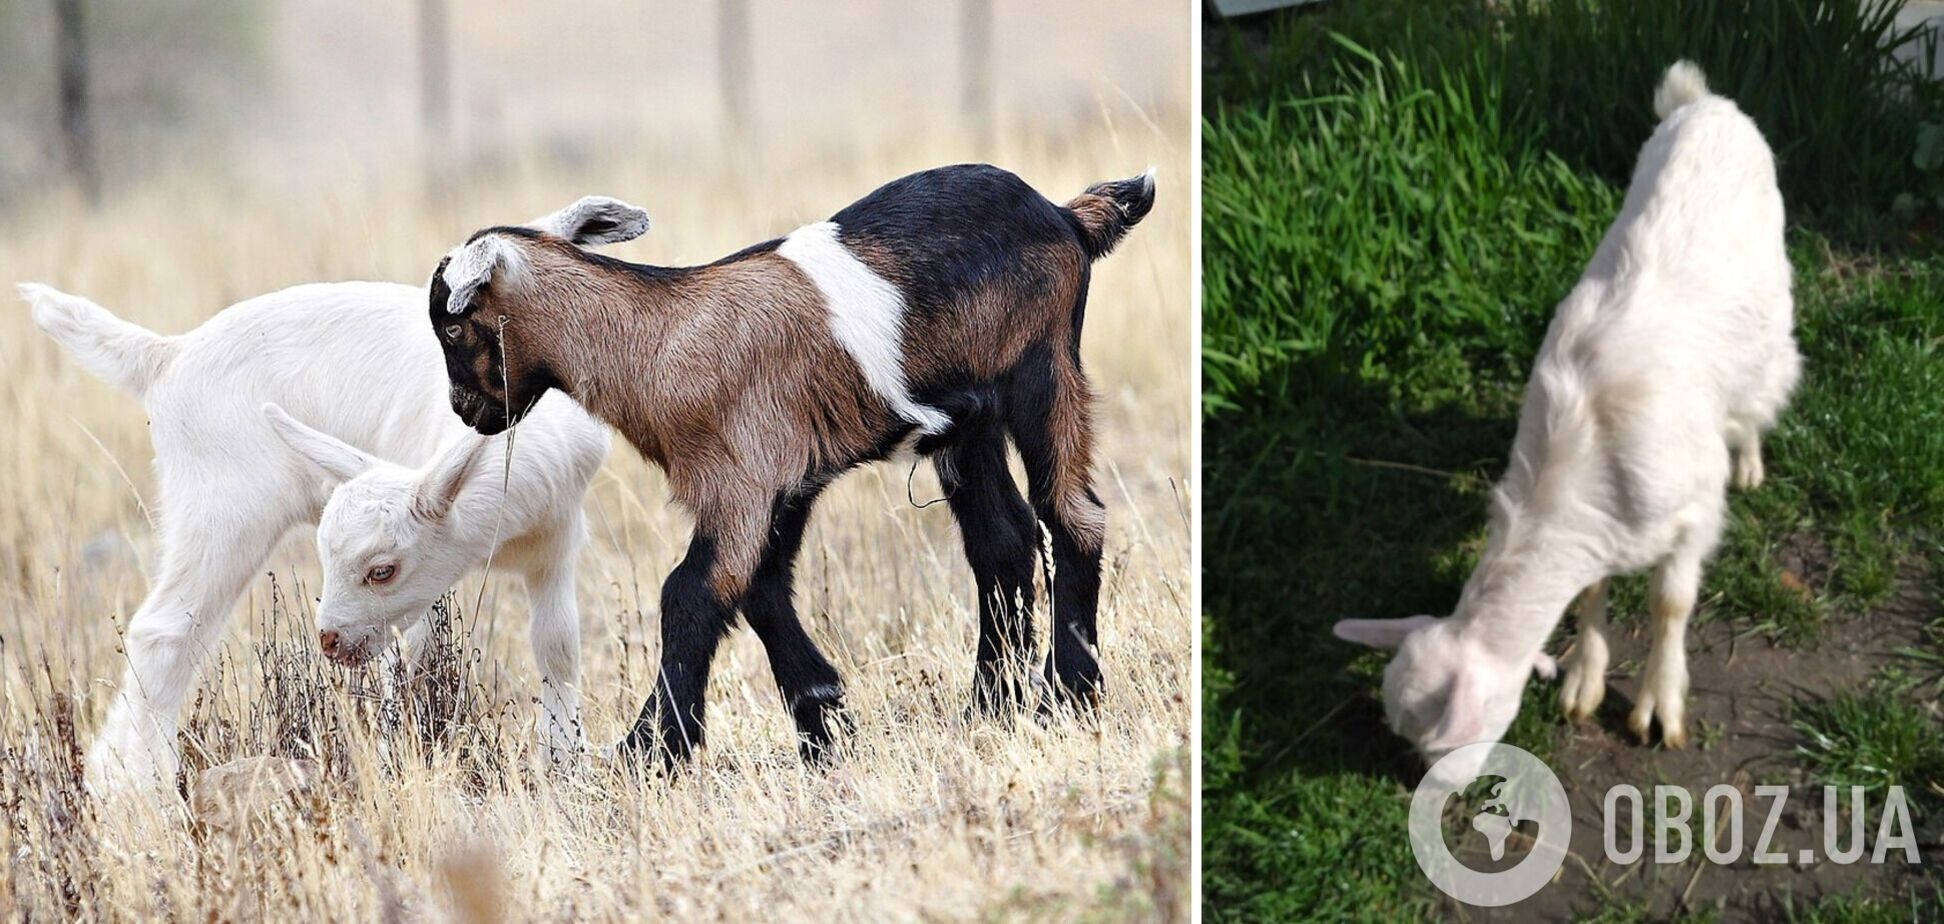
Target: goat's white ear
x,y
1381,633
332,456
595,220
469,268
441,486
1464,716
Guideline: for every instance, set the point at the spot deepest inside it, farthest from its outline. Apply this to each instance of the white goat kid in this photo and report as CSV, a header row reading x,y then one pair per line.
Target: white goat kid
x,y
1673,352
235,472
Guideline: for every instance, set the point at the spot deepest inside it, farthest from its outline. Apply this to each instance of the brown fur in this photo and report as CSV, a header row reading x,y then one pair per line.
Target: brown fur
x,y
986,332
723,375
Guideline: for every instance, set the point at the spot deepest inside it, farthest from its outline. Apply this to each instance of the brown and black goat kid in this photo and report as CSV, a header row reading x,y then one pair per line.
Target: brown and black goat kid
x,y
938,315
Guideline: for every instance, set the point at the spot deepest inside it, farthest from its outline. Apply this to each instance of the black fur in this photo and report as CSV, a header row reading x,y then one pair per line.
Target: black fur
x,y
1073,574
693,624
954,229
812,690
1000,537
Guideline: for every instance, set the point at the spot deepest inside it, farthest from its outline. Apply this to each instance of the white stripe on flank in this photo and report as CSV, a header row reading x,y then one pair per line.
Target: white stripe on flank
x,y
866,317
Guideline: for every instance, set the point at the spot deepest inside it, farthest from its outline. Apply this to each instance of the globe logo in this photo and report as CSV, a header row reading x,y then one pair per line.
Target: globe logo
x,y
1523,791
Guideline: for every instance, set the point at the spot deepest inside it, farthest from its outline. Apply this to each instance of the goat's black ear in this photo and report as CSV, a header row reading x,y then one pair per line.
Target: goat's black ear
x,y
596,220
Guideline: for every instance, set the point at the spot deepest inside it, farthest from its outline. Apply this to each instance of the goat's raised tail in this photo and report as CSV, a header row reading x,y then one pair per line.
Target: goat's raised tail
x,y
123,354
1683,84
1106,210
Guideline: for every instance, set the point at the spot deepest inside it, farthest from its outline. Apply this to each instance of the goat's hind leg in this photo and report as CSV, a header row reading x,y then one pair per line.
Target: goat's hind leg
x,y
206,562
1000,536
1745,440
1051,422
1759,409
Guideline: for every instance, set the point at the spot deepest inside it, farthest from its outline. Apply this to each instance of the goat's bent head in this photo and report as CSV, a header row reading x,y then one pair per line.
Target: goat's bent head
x,y
384,539
476,299
1442,691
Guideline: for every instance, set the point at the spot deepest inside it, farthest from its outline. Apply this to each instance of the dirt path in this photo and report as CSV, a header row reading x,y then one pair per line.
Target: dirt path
x,y
1739,723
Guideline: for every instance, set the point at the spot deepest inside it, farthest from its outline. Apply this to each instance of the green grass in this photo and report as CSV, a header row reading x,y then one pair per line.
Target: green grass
x,y
1876,739
1383,247
1342,243
1832,83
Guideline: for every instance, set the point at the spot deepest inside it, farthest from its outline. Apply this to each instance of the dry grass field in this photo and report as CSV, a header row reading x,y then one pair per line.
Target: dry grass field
x,y
445,815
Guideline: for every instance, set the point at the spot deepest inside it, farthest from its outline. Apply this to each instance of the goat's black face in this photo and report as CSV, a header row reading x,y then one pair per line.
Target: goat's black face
x,y
489,391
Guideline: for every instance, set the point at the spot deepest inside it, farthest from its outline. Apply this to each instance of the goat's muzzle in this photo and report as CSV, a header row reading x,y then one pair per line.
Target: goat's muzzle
x,y
342,649
479,413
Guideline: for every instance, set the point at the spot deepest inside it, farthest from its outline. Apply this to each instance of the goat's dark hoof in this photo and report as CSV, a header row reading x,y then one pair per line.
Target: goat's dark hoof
x,y
666,751
1075,693
824,729
1000,696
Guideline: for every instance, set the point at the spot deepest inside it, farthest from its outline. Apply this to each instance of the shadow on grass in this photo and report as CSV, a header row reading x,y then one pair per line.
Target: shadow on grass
x,y
1334,509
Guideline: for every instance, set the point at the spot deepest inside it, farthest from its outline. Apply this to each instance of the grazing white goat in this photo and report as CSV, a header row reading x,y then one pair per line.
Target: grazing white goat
x,y
406,498
1673,352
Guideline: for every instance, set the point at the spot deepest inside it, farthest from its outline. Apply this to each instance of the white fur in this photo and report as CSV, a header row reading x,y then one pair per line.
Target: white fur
x,y
472,265
379,462
1658,375
866,317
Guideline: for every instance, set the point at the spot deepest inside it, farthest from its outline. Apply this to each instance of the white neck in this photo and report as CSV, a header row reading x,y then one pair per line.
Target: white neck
x,y
1530,572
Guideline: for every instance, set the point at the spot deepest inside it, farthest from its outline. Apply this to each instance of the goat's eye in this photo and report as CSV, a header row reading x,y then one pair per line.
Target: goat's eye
x,y
381,574
452,331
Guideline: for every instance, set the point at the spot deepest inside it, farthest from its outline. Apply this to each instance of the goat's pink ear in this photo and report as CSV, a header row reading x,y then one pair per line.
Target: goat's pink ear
x,y
332,456
1381,633
441,486
1464,716
595,220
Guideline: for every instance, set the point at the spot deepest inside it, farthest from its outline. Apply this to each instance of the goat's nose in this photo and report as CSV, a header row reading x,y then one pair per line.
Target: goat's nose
x,y
328,640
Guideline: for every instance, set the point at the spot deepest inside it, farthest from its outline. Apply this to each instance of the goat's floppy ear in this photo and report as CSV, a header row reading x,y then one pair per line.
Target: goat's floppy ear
x,y
470,268
1381,633
595,220
332,456
441,486
1464,716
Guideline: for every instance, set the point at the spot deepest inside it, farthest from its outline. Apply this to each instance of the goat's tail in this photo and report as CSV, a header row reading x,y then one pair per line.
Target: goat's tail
x,y
123,354
1106,210
1683,84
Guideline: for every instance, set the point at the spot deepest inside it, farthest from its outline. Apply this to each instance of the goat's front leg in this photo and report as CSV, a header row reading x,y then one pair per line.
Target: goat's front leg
x,y
1584,686
811,687
697,604
555,635
1664,683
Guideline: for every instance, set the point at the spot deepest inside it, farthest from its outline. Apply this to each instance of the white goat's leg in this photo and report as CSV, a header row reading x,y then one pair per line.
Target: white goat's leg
x,y
205,567
1664,683
1746,441
556,651
1585,683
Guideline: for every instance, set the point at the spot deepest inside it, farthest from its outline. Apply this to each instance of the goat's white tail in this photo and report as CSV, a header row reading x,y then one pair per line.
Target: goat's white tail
x,y
1683,84
123,354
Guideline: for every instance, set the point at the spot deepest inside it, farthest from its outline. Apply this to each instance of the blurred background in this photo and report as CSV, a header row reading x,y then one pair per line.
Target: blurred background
x,y
102,95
